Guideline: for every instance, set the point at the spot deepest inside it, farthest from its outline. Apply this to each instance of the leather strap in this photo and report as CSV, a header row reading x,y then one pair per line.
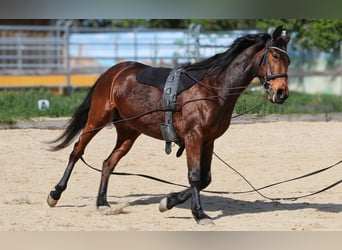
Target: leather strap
x,y
169,103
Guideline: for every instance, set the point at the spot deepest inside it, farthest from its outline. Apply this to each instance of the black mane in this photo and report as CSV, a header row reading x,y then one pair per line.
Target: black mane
x,y
216,64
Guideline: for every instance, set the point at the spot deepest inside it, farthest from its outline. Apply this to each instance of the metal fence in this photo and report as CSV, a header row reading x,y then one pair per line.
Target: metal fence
x,y
23,48
65,50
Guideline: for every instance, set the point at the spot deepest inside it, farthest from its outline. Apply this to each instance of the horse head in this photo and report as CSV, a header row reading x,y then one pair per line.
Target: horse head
x,y
273,67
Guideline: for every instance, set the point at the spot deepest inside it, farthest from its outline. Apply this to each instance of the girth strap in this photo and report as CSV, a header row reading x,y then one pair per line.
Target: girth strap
x,y
169,103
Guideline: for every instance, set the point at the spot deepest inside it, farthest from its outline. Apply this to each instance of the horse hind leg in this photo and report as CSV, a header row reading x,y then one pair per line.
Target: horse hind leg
x,y
125,140
92,127
202,180
75,155
174,199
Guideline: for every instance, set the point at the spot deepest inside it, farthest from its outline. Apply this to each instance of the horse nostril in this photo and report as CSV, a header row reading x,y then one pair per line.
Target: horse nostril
x,y
282,94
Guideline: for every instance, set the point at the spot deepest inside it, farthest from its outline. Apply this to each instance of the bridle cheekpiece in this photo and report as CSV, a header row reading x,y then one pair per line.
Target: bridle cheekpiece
x,y
265,80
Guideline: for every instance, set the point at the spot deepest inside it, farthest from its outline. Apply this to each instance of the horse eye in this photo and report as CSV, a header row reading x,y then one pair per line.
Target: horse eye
x,y
275,56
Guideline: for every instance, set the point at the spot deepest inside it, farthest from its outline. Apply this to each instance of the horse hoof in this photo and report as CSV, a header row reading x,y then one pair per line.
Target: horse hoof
x,y
51,202
206,221
103,207
163,205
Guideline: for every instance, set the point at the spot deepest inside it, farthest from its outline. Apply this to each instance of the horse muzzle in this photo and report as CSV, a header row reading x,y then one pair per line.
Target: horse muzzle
x,y
277,95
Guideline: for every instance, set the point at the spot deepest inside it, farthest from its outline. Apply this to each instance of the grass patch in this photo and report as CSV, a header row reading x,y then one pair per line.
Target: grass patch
x,y
22,105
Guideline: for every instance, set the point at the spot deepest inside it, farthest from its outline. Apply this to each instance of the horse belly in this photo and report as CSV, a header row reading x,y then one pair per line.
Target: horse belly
x,y
141,106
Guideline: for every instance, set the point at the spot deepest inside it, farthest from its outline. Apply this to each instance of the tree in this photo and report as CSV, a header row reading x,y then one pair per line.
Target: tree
x,y
319,34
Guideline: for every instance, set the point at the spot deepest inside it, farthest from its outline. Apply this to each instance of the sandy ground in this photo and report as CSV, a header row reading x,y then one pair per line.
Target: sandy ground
x,y
263,152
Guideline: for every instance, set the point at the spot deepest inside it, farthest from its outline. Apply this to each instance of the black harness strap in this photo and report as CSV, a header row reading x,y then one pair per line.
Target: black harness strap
x,y
169,104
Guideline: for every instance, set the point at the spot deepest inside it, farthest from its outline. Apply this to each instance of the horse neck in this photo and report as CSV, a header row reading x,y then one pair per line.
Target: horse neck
x,y
240,73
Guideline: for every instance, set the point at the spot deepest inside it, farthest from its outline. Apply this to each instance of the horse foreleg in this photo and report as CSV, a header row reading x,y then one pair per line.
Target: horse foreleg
x,y
125,141
200,178
196,206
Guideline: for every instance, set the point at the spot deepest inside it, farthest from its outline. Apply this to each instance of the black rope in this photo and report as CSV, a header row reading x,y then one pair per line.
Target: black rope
x,y
281,182
132,174
257,190
159,109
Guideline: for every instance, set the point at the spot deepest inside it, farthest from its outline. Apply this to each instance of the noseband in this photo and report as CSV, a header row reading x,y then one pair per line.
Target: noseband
x,y
266,79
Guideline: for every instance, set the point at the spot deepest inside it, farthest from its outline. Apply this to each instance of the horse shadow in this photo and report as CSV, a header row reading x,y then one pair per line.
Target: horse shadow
x,y
231,207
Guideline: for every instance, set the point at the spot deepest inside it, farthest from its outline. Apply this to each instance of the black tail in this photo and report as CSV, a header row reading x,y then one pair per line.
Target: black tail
x,y
76,123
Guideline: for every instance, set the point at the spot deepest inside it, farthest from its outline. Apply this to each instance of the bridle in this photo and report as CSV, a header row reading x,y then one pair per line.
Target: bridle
x,y
265,80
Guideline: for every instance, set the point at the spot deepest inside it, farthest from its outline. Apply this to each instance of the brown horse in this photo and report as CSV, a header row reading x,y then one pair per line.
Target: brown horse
x,y
202,114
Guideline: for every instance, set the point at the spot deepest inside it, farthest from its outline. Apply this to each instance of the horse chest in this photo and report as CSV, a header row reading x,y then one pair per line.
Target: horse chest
x,y
221,127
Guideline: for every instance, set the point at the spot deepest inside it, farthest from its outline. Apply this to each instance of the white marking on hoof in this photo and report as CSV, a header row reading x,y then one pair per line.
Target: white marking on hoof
x,y
51,202
163,205
103,208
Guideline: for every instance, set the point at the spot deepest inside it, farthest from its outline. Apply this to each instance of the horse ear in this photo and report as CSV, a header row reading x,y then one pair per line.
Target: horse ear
x,y
287,38
277,33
